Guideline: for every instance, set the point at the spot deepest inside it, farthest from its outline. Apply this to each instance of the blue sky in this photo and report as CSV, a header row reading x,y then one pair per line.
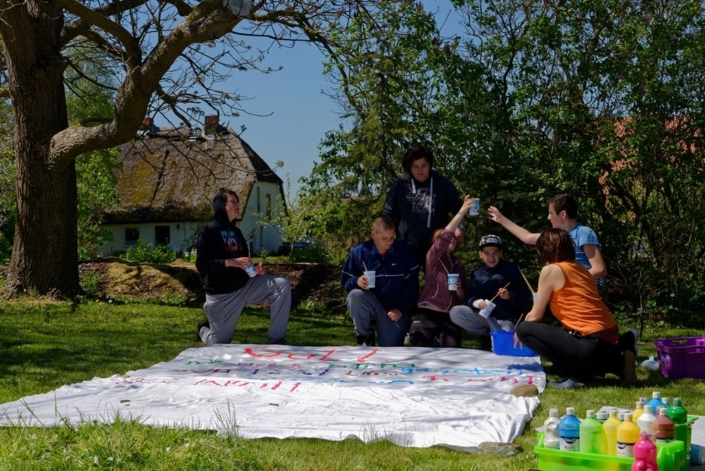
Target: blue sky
x,y
301,112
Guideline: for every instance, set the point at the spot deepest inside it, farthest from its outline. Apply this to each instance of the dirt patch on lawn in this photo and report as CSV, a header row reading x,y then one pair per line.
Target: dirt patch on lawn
x,y
123,279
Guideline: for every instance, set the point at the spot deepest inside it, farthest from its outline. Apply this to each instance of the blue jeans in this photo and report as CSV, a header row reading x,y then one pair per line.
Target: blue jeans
x,y
364,309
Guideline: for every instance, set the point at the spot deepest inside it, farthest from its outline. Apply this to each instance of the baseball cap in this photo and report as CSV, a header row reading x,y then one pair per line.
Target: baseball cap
x,y
490,240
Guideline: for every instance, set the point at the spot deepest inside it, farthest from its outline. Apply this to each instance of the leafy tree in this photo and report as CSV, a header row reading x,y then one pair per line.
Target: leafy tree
x,y
91,93
168,56
602,99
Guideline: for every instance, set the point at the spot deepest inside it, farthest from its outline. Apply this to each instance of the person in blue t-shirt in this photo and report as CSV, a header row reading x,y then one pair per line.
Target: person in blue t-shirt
x,y
563,214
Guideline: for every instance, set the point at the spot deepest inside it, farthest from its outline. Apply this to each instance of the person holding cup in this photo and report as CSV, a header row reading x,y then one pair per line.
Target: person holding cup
x,y
231,281
444,288
421,201
381,276
497,294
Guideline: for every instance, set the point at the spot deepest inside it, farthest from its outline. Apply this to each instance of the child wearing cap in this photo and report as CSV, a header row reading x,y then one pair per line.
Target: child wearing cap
x,y
496,280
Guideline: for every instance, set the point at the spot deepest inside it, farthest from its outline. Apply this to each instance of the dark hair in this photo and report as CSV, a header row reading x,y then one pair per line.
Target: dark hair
x,y
555,245
416,153
219,201
565,202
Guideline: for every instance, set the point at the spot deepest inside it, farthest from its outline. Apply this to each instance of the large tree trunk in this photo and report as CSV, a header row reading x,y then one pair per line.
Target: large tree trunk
x,y
44,256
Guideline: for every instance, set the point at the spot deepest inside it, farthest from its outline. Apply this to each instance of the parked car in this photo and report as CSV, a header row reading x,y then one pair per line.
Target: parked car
x,y
287,247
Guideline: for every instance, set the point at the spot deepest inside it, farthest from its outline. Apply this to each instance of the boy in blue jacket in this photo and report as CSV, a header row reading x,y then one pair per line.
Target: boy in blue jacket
x,y
490,281
393,294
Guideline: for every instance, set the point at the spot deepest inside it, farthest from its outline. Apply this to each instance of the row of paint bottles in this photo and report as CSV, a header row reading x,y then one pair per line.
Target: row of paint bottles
x,y
614,436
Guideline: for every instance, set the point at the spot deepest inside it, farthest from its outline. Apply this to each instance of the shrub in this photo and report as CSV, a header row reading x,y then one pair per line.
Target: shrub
x,y
310,255
148,254
90,283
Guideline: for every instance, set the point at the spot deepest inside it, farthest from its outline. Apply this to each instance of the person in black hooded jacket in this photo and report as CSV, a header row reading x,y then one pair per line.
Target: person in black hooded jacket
x,y
231,281
421,201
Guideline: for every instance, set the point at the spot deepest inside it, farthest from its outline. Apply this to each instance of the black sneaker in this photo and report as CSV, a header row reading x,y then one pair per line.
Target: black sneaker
x,y
281,341
366,340
202,324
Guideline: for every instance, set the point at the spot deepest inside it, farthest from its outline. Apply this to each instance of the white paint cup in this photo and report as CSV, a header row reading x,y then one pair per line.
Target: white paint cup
x,y
251,271
489,305
453,279
475,208
370,275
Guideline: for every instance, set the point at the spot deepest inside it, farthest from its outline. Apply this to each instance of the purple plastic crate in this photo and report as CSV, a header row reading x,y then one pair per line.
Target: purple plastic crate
x,y
682,357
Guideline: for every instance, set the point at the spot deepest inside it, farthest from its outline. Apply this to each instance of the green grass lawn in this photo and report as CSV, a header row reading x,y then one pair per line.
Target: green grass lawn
x,y
44,345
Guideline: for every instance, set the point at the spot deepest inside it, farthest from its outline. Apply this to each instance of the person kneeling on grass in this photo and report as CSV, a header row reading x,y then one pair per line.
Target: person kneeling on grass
x,y
588,344
496,280
222,258
389,300
431,319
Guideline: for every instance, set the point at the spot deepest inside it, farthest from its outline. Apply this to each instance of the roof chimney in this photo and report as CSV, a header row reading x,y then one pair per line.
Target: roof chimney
x,y
211,125
146,123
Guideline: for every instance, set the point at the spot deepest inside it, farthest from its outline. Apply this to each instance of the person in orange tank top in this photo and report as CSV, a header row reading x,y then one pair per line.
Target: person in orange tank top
x,y
587,344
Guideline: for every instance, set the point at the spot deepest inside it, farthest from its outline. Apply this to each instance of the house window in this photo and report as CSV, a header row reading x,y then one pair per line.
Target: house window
x,y
259,202
268,202
261,237
161,235
132,235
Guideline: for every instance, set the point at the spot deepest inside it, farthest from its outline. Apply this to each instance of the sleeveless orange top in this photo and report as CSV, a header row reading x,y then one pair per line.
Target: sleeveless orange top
x,y
577,305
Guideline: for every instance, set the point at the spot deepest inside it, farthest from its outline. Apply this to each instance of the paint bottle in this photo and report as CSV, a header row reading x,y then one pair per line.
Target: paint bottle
x,y
644,454
697,454
602,415
667,403
551,437
627,436
665,428
610,429
678,414
638,410
592,438
647,421
569,431
655,401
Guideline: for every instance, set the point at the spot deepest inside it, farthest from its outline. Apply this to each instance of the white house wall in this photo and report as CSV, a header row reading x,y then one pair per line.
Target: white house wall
x,y
267,237
180,233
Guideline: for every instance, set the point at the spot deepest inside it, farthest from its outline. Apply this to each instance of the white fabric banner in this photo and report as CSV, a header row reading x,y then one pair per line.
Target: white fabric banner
x,y
415,397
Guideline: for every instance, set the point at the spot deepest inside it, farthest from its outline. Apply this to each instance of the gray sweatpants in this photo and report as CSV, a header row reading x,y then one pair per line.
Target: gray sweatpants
x,y
223,310
473,322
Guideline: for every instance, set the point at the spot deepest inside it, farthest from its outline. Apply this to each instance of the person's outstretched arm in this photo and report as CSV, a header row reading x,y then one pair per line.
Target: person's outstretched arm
x,y
519,232
460,215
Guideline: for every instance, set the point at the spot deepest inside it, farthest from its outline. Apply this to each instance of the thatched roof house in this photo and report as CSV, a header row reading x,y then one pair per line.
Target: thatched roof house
x,y
167,181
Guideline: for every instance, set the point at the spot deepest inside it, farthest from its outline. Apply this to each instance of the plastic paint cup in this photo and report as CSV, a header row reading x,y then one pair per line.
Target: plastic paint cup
x,y
489,305
453,279
250,270
370,275
475,208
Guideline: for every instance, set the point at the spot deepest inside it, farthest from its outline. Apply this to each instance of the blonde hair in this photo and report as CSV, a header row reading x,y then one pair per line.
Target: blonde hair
x,y
383,223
